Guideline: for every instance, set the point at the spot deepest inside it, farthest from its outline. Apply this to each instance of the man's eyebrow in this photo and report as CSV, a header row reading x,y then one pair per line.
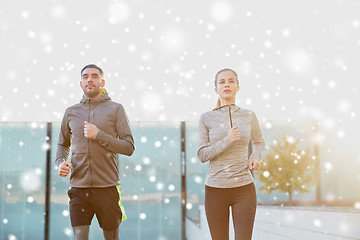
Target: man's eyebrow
x,y
86,74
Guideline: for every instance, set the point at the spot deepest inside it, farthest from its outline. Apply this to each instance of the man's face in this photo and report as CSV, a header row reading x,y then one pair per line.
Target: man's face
x,y
91,83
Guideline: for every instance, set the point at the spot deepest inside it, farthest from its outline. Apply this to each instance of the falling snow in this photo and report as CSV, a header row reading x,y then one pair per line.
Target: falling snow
x,y
166,60
160,60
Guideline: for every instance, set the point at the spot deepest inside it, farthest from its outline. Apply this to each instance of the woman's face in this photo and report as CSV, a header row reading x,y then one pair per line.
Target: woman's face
x,y
227,85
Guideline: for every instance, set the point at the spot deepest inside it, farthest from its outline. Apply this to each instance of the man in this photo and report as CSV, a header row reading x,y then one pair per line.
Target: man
x,y
98,129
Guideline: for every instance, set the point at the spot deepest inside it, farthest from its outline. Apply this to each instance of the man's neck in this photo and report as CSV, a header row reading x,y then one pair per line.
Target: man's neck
x,y
93,98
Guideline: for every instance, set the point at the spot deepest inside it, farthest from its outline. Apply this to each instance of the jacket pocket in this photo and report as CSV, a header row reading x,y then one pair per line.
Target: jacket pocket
x,y
80,163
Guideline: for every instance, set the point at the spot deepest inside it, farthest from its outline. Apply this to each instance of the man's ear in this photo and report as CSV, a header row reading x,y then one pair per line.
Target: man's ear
x,y
102,82
81,84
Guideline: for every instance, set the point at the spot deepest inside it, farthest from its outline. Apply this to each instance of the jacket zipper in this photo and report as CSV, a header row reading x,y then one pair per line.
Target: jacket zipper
x,y
88,140
231,124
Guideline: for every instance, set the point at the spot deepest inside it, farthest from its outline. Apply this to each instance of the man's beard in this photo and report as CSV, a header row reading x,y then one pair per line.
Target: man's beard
x,y
91,94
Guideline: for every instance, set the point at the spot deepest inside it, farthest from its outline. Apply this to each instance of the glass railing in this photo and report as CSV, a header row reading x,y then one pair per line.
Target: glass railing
x,y
150,180
22,174
150,184
328,188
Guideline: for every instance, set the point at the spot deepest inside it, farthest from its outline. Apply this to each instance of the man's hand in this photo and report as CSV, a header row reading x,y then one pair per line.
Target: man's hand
x,y
233,135
64,168
254,164
90,130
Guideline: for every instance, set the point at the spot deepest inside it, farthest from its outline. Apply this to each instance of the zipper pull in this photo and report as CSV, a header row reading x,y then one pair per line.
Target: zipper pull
x,y
231,125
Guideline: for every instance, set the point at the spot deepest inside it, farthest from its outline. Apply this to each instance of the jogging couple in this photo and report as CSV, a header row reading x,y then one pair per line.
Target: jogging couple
x,y
97,129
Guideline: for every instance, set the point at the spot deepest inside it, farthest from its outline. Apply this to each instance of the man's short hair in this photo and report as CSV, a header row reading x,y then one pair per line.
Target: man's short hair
x,y
94,66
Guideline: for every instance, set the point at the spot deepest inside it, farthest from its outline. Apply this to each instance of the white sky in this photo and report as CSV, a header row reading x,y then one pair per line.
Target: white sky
x,y
295,59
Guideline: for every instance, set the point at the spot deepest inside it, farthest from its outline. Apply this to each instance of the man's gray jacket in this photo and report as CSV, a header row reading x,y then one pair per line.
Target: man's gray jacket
x,y
94,161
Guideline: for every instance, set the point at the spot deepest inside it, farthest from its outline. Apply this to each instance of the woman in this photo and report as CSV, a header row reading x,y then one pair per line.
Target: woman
x,y
224,135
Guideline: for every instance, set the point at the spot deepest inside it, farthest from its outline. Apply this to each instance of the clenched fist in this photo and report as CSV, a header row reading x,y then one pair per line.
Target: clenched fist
x,y
254,164
233,135
64,168
90,130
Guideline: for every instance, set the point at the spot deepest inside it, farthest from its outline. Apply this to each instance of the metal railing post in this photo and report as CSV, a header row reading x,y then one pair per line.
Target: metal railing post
x,y
183,180
47,181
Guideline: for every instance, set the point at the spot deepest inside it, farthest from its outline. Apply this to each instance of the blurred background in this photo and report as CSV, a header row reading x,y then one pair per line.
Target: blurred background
x,y
297,67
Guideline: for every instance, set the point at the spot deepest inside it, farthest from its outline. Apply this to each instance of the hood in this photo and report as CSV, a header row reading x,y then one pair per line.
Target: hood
x,y
104,97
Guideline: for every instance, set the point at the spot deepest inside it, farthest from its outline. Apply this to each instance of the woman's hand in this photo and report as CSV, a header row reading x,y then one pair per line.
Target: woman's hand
x,y
254,164
233,135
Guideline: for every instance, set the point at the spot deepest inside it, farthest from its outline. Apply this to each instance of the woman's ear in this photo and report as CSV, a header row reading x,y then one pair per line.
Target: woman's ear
x,y
215,89
238,88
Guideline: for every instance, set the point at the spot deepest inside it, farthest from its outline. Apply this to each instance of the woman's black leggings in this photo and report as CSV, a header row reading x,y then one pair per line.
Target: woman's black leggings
x,y
242,201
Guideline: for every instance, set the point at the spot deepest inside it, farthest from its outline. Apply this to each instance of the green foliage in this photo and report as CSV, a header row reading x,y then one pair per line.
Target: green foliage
x,y
286,168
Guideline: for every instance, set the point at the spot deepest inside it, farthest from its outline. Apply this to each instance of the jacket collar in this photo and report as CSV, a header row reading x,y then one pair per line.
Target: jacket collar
x,y
102,98
225,108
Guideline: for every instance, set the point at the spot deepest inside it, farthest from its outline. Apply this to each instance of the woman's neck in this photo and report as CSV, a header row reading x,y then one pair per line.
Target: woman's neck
x,y
227,101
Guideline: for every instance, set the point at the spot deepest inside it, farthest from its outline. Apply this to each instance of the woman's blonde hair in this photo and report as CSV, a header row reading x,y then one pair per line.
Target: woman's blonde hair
x,y
218,103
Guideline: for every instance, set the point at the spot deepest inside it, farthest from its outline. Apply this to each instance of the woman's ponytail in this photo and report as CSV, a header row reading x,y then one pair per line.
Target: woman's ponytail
x,y
218,103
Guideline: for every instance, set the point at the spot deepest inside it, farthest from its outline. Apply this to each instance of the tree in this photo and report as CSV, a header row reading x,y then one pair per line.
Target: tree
x,y
286,168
